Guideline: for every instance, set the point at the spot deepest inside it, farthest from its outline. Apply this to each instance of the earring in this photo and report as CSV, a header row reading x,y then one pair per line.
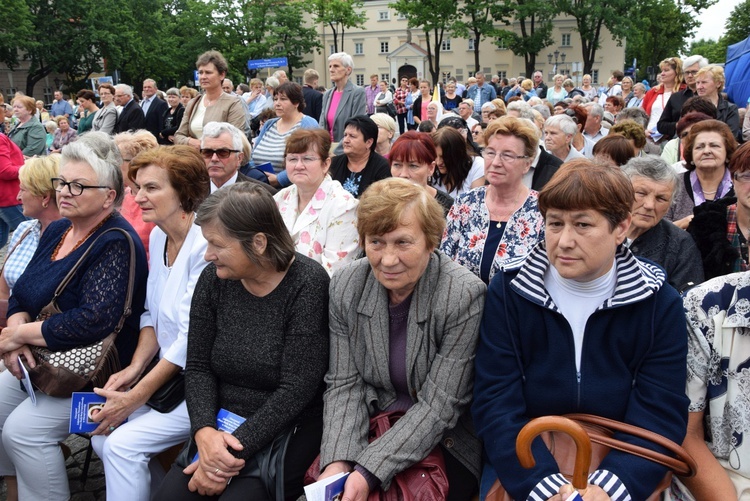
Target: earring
x,y
44,204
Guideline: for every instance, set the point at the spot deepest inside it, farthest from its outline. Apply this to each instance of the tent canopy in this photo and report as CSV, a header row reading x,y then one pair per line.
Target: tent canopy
x,y
737,72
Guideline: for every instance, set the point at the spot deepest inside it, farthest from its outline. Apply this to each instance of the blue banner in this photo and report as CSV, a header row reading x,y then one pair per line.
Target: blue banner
x,y
274,62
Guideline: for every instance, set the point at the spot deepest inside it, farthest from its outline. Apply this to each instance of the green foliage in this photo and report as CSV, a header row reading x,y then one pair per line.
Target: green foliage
x,y
339,15
17,25
475,21
436,18
294,39
714,51
535,21
737,27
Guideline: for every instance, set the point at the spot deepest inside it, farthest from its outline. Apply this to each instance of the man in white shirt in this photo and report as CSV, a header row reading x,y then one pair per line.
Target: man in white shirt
x,y
593,129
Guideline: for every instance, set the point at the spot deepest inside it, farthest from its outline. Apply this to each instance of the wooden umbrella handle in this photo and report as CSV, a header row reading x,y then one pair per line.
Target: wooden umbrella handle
x,y
537,426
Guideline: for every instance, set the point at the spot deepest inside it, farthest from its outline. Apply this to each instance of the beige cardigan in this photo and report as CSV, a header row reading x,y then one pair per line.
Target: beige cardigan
x,y
227,108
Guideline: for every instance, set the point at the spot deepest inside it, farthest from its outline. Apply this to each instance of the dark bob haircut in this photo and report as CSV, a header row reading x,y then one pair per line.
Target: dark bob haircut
x,y
366,126
293,92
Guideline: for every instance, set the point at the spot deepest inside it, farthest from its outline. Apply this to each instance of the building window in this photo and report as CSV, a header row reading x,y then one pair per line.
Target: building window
x,y
298,80
384,15
385,77
565,40
595,76
359,48
446,45
459,72
488,72
500,43
360,79
48,94
471,44
401,16
384,47
333,50
502,74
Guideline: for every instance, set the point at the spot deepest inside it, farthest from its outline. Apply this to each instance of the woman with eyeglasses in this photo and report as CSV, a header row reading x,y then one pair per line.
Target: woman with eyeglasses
x,y
708,149
494,223
721,228
319,213
89,190
288,103
105,118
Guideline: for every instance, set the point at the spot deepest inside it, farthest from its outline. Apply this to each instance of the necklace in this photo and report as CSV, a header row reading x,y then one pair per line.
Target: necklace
x,y
503,216
709,192
78,244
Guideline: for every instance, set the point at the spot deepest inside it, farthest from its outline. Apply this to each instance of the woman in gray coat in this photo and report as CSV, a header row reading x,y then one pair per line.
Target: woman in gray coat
x,y
404,324
342,101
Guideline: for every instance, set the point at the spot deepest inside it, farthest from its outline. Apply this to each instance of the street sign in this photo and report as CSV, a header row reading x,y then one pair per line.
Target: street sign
x,y
274,62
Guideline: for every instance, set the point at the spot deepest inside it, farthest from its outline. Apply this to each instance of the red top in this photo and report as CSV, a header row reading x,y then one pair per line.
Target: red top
x,y
11,160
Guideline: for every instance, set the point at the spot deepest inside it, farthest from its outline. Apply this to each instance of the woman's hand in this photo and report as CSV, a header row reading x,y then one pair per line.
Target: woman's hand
x,y
214,458
10,360
123,380
684,222
334,468
10,339
592,493
356,488
116,410
205,483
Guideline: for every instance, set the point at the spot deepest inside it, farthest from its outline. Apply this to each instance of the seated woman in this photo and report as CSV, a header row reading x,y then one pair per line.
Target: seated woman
x,y
650,235
420,365
37,195
89,189
717,363
633,132
360,165
170,182
616,151
721,228
413,158
559,131
459,169
257,347
320,215
64,134
580,325
500,221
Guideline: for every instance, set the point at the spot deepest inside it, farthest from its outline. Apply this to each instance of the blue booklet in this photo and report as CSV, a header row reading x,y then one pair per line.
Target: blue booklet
x,y
328,489
265,167
225,421
84,406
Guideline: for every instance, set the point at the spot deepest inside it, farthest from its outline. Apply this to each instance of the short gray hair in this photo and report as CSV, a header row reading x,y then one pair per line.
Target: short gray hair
x,y
543,110
691,60
272,82
595,109
345,59
99,151
213,130
564,123
125,89
173,91
151,81
523,109
654,168
638,115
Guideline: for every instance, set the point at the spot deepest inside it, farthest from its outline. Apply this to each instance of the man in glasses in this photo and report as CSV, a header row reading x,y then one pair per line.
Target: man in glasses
x,y
667,124
221,147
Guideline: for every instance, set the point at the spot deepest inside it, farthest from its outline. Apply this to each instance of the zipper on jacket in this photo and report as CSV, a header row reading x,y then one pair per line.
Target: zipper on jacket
x,y
578,378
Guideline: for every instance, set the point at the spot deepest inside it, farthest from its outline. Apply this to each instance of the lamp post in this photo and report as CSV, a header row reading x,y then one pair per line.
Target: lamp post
x,y
558,57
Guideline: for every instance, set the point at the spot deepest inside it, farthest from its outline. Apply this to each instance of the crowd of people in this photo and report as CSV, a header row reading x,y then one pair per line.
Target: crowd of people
x,y
458,259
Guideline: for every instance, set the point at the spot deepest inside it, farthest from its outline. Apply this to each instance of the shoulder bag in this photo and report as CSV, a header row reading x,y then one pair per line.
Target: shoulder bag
x,y
598,433
4,302
425,480
60,373
170,394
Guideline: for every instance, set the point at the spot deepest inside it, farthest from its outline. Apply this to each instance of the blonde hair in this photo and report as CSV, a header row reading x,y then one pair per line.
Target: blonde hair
x,y
717,75
36,174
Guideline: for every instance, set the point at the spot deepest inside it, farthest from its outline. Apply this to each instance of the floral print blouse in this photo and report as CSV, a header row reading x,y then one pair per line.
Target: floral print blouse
x,y
468,225
326,229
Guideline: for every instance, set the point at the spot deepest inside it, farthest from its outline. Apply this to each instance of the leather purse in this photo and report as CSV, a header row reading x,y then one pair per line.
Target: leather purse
x,y
425,480
598,433
170,394
60,373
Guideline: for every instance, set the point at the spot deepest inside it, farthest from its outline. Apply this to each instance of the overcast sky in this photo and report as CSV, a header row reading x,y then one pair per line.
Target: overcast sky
x,y
714,18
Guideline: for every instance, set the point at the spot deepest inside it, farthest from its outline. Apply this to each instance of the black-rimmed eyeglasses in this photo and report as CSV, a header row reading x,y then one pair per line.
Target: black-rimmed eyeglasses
x,y
75,189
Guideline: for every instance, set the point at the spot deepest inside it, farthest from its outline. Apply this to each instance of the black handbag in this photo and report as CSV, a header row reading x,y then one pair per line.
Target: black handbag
x,y
170,395
60,373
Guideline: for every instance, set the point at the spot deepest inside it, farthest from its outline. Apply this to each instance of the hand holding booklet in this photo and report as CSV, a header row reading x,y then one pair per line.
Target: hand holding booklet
x,y
329,489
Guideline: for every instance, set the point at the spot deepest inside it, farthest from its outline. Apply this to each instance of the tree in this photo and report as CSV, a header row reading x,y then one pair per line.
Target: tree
x,y
737,27
476,22
294,38
591,17
17,26
435,18
535,22
339,15
713,50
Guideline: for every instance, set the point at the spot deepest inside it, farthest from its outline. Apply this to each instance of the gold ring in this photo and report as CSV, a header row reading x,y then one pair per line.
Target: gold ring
x,y
217,471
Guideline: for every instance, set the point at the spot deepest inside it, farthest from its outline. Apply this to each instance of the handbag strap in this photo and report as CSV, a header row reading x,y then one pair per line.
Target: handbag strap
x,y
15,246
683,465
131,275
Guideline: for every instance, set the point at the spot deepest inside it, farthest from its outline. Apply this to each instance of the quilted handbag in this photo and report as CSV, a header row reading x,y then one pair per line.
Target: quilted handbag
x,y
60,373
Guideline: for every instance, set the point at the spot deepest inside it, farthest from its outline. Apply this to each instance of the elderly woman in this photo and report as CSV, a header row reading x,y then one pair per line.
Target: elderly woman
x,y
525,90
493,223
434,112
28,133
89,189
717,351
614,105
214,105
187,94
360,165
556,93
258,348
459,169
615,151
106,117
580,325
413,157
41,111
633,132
673,152
383,98
64,134
639,92
342,101
172,117
170,184
721,228
386,130
559,131
288,103
627,90
87,110
708,148
709,83
131,144
421,364
589,91
450,100
319,214
658,96
650,235
255,99
37,196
